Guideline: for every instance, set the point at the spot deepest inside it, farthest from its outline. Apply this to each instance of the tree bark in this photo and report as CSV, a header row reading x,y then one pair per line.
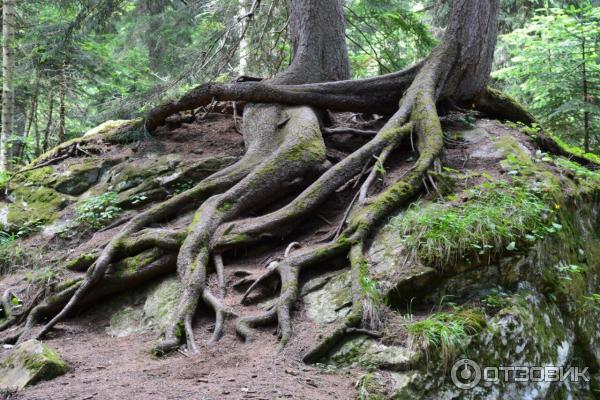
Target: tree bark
x,y
8,66
153,40
62,108
49,123
471,39
319,51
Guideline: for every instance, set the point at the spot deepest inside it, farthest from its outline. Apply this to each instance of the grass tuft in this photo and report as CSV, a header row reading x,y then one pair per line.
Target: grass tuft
x,y
446,332
494,217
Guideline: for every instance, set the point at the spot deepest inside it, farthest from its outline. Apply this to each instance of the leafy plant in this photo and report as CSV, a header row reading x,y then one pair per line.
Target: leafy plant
x,y
97,212
552,67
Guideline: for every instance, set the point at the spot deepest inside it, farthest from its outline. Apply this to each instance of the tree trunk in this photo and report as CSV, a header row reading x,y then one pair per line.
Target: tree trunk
x,y
49,123
470,39
586,113
319,51
285,151
62,108
154,42
8,66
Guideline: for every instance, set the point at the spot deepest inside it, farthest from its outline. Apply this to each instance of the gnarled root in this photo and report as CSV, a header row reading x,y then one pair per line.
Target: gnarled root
x,y
419,104
119,278
301,150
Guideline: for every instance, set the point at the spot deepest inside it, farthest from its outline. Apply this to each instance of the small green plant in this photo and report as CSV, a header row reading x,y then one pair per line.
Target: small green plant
x,y
138,198
97,212
594,301
568,271
446,332
367,388
495,301
181,187
44,276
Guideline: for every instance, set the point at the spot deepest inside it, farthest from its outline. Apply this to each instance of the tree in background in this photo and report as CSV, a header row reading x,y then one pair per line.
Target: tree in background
x,y
8,67
554,70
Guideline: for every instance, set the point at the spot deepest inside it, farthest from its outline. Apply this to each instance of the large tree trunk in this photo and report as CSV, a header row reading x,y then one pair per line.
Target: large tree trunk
x,y
8,67
319,51
470,40
155,44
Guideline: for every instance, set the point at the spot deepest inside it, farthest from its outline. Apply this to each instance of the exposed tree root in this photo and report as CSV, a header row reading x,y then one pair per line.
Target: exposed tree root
x,y
374,95
120,277
285,149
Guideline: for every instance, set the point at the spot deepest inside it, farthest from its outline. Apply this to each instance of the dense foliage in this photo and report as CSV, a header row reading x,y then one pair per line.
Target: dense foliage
x,y
80,62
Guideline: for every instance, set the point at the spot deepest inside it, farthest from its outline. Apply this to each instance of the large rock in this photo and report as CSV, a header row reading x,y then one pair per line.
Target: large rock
x,y
29,363
146,310
78,179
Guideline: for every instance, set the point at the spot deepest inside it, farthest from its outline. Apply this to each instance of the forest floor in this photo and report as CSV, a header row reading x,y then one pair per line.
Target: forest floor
x,y
107,367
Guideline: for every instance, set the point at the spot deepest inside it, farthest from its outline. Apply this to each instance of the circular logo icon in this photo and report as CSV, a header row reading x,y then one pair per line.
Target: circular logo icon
x,y
465,374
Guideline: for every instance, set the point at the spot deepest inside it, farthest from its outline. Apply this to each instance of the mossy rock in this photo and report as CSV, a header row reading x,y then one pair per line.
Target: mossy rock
x,y
132,175
29,363
37,177
41,203
365,352
329,299
78,179
131,317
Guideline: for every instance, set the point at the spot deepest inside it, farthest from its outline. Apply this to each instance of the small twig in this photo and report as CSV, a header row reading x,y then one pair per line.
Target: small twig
x,y
290,247
362,173
364,189
183,353
349,131
435,186
322,218
235,122
343,221
425,185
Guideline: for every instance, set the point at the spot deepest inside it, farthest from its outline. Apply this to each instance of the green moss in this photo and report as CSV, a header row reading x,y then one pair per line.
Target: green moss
x,y
40,203
31,362
82,262
37,177
78,178
240,238
510,147
131,265
226,206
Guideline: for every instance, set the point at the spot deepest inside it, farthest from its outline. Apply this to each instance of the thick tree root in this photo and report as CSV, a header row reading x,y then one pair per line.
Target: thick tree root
x,y
419,105
284,145
168,209
119,278
301,151
374,95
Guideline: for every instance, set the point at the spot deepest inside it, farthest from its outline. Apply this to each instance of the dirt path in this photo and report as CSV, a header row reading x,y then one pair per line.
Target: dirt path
x,y
105,367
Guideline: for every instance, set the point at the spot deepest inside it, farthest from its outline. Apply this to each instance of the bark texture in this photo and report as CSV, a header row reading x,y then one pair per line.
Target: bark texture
x,y
8,67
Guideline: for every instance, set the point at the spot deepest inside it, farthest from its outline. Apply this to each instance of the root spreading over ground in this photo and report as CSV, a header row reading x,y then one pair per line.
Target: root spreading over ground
x,y
285,154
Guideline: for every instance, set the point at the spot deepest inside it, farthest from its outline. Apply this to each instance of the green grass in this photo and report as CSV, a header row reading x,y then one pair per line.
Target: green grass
x,y
447,333
494,217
